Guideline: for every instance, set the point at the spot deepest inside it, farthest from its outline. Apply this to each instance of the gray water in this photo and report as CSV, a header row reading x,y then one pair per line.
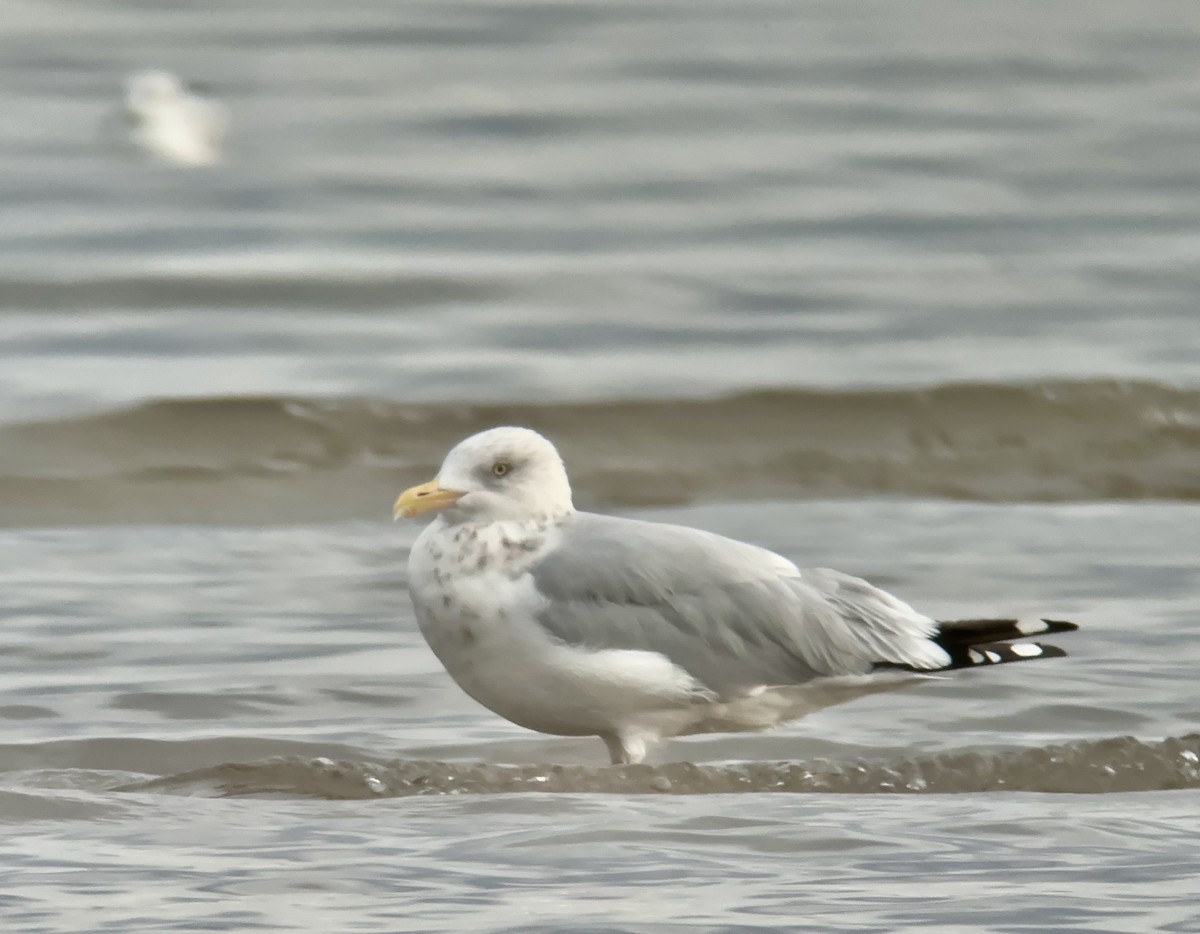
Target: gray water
x,y
906,290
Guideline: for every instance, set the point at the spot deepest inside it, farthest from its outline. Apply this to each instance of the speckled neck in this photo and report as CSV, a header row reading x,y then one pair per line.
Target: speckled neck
x,y
507,547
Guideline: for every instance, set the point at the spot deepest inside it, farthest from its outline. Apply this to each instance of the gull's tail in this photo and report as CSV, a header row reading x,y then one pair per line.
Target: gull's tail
x,y
971,642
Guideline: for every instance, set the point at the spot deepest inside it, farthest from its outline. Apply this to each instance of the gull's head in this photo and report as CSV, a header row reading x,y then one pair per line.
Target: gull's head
x,y
502,473
147,90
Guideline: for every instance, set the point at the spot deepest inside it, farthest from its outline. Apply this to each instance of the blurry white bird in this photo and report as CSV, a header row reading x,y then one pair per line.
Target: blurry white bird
x,y
173,122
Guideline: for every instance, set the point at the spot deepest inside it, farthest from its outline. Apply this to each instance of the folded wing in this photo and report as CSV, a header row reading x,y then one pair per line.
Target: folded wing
x,y
734,616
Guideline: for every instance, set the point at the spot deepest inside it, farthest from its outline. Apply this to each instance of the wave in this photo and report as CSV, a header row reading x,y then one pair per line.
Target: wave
x,y
1121,764
294,459
296,283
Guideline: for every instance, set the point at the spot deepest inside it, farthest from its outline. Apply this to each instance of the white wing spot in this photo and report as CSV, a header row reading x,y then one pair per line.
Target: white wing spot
x,y
993,657
1028,650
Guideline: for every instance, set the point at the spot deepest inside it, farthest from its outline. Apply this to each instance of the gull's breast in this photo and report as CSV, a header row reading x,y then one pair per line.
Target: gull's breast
x,y
481,623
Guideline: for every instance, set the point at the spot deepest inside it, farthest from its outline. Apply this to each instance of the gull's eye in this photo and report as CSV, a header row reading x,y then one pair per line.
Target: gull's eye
x,y
500,468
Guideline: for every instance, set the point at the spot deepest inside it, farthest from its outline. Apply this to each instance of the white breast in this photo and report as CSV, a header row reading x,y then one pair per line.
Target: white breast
x,y
478,613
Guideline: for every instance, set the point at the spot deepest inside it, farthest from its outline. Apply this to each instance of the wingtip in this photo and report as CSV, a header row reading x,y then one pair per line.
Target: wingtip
x,y
1060,625
999,653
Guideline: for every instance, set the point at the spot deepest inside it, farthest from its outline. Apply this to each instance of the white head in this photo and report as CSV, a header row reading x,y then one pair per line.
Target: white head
x,y
502,473
148,90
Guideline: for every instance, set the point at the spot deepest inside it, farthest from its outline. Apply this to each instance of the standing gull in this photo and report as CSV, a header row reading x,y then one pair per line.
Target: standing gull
x,y
579,624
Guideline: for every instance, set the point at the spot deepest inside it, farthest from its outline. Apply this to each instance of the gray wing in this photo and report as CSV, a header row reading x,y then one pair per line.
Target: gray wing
x,y
733,616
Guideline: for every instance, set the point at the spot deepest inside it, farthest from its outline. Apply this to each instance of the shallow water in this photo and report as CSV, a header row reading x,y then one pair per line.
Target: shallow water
x,y
907,291
243,725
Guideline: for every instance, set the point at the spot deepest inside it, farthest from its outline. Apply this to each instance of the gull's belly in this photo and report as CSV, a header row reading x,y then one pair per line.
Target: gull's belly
x,y
512,674
500,656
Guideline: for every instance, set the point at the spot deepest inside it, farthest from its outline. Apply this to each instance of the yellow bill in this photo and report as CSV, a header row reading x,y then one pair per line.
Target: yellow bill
x,y
418,499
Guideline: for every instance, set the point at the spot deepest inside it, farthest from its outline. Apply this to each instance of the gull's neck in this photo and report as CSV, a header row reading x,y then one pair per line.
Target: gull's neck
x,y
459,550
529,519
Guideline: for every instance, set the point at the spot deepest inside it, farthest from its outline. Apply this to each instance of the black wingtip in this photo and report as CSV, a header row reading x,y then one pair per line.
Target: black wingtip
x,y
998,641
1000,653
975,642
960,632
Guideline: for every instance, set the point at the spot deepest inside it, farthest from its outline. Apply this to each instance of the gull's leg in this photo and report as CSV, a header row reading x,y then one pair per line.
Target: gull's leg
x,y
625,749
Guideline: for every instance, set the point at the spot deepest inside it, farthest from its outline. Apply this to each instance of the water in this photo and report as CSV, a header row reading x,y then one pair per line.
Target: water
x,y
906,291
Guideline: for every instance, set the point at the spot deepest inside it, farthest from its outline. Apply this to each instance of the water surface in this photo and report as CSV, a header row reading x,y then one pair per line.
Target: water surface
x,y
905,290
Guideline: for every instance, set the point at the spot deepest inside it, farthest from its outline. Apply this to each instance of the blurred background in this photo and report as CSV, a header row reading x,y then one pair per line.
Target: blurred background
x,y
431,217
905,289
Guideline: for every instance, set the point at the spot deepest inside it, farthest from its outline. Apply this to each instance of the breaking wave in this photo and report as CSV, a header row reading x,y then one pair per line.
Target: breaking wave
x,y
1121,764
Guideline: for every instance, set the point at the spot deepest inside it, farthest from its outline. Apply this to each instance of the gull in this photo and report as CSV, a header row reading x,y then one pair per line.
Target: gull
x,y
172,121
578,624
